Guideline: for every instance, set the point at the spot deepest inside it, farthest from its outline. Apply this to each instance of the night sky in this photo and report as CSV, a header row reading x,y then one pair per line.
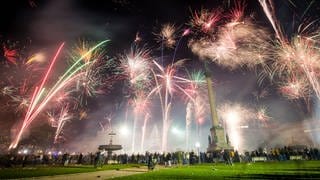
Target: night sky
x,y
44,24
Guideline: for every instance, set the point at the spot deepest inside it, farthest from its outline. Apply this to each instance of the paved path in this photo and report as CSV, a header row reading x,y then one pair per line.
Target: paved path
x,y
108,174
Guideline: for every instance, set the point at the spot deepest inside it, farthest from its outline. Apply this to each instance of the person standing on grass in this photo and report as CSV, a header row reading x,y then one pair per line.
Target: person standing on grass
x,y
150,161
226,157
64,159
236,157
24,160
80,159
96,159
231,156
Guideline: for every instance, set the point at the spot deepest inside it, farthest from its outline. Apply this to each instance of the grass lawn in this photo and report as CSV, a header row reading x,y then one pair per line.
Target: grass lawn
x,y
259,170
11,173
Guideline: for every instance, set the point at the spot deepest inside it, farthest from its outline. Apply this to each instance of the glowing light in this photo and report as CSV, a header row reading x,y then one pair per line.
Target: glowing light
x,y
38,57
197,144
233,115
124,130
186,32
244,127
25,151
176,131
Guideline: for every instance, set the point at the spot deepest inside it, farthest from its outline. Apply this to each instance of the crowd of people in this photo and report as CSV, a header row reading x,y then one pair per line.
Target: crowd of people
x,y
151,159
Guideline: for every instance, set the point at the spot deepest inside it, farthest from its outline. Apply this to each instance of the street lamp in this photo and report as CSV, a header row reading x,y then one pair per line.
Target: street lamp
x,y
198,149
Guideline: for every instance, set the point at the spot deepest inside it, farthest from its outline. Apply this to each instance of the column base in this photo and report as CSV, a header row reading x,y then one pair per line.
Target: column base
x,y
219,140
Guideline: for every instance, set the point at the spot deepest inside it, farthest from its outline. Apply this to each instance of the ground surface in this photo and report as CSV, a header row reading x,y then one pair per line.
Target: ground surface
x,y
259,170
27,172
107,174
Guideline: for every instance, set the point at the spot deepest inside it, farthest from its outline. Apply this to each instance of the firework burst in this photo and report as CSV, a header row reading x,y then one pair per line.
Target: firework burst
x,y
36,58
41,97
235,43
8,91
11,54
21,77
167,83
300,60
92,82
205,20
196,89
295,89
167,35
137,65
141,105
297,57
59,121
262,115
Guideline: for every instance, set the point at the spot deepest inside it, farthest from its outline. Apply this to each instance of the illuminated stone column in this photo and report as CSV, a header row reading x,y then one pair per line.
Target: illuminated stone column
x,y
218,138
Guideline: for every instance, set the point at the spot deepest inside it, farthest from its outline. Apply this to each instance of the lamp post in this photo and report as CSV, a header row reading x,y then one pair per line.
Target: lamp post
x,y
198,149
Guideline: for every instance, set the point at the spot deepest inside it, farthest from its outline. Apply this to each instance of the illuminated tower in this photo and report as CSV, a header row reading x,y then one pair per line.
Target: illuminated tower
x,y
218,138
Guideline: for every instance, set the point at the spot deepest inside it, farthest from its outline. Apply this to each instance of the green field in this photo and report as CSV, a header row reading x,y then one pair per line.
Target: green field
x,y
11,173
261,170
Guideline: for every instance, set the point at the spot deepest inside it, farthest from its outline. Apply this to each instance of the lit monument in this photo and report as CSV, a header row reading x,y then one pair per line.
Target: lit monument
x,y
218,139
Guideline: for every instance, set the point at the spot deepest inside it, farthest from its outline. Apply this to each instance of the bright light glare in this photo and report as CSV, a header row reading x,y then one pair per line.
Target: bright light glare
x,y
197,144
25,151
124,131
174,130
232,116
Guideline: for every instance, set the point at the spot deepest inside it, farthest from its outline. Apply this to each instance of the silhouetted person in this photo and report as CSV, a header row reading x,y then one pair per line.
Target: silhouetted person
x,y
97,159
80,158
226,157
24,160
150,162
64,159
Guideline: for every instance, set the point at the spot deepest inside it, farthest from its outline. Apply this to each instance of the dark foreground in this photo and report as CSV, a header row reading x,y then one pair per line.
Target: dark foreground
x,y
36,171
